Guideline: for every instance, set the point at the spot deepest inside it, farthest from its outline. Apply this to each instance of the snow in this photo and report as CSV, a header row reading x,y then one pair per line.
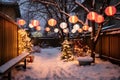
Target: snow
x,y
48,66
12,62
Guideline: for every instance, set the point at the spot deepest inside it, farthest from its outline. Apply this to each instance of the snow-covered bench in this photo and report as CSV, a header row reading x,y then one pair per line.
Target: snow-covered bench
x,y
8,66
87,60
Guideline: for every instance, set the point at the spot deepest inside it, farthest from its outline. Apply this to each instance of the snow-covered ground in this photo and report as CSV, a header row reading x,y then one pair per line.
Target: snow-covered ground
x,y
48,66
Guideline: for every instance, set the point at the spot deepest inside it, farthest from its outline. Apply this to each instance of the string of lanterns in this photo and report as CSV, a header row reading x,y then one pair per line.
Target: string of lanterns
x,y
92,16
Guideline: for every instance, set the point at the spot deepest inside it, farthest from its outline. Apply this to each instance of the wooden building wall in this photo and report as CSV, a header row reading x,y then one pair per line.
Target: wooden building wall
x,y
108,45
8,38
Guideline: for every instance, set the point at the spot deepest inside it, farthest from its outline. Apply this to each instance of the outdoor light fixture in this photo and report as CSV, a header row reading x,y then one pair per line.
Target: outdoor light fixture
x,y
73,19
99,19
38,28
110,10
35,22
85,27
76,26
92,15
63,25
21,22
90,29
73,30
65,30
80,30
52,22
30,25
47,29
56,30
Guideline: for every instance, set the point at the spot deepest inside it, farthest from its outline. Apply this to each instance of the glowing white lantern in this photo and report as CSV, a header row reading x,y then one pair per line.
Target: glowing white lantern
x,y
90,29
73,30
30,25
56,30
63,25
65,30
80,30
76,26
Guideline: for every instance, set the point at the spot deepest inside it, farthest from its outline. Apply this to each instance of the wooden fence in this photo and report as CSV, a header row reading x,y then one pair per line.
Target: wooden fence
x,y
8,39
108,45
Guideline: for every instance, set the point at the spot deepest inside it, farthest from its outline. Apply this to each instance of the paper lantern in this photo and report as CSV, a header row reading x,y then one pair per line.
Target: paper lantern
x,y
110,10
63,25
90,29
38,28
21,22
30,25
73,19
52,22
65,30
99,19
35,22
56,30
76,26
85,27
47,29
73,30
91,16
80,30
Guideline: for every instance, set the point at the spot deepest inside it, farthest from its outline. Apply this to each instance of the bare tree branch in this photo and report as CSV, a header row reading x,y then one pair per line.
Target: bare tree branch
x,y
117,4
86,9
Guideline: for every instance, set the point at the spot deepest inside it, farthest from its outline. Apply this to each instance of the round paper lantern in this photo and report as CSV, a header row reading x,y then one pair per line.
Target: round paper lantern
x,y
38,28
52,22
56,30
35,22
30,25
63,25
80,30
73,30
21,22
65,30
90,29
110,10
85,27
76,26
73,19
99,19
47,29
91,16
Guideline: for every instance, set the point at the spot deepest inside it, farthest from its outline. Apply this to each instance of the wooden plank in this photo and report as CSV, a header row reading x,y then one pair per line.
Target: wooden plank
x,y
105,45
114,46
5,67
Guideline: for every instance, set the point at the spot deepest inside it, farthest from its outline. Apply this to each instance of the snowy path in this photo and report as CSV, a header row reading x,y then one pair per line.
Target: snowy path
x,y
48,66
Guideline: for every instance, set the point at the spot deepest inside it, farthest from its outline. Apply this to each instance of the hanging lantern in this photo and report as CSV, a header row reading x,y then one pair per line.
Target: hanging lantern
x,y
38,28
85,27
110,10
52,22
63,25
65,30
73,30
73,19
35,22
90,29
30,25
56,30
76,26
80,30
91,15
99,19
21,22
47,29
